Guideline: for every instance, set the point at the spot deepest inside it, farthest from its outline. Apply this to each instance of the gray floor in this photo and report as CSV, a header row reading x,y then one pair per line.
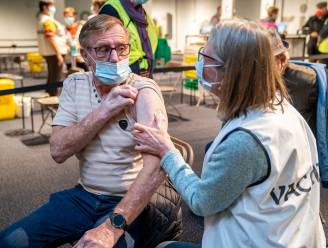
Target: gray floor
x,y
28,174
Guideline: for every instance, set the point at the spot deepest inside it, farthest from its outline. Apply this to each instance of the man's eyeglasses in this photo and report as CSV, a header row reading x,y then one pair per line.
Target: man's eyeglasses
x,y
105,51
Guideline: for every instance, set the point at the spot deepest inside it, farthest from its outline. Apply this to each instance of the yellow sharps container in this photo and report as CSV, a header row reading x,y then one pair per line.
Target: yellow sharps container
x,y
7,103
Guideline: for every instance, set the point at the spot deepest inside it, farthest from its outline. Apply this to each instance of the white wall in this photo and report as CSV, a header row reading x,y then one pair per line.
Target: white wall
x,y
188,16
249,9
18,19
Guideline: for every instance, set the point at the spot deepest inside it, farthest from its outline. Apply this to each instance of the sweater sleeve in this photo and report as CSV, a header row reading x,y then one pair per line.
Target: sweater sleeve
x,y
236,163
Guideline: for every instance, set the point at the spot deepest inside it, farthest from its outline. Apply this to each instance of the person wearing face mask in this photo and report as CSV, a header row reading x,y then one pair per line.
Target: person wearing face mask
x,y
94,121
143,38
260,174
73,29
52,42
314,25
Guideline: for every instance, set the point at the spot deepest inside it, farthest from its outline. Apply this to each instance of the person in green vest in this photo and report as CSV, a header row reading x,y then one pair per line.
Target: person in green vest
x,y
158,28
323,42
143,38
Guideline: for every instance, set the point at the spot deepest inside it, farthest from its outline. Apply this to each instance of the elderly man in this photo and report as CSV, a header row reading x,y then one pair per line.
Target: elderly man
x,y
94,121
307,86
299,79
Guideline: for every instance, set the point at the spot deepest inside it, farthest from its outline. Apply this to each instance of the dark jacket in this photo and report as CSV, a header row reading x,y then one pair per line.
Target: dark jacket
x,y
162,218
314,24
302,87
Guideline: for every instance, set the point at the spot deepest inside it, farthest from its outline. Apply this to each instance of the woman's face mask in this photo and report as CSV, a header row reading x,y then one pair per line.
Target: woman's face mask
x,y
69,20
111,73
209,86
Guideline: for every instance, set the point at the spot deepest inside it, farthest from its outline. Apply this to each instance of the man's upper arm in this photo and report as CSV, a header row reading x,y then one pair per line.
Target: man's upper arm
x,y
50,28
66,114
148,103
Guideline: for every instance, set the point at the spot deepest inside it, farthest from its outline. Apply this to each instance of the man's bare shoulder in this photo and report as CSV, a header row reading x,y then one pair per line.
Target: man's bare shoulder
x,y
140,82
150,99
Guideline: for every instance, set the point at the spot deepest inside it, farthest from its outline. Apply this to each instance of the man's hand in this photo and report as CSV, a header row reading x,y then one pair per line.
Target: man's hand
x,y
314,34
103,236
60,60
117,99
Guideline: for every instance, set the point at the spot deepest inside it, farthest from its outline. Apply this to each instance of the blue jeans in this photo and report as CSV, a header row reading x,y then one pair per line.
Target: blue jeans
x,y
64,218
177,244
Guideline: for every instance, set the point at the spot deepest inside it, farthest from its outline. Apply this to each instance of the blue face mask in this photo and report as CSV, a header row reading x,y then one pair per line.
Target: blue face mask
x,y
139,1
112,73
52,10
69,20
209,86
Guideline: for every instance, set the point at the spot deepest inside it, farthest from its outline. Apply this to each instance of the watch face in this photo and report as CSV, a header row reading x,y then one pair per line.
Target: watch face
x,y
118,221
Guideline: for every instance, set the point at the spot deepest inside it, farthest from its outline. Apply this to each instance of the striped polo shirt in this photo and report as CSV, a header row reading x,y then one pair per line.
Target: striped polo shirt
x,y
109,164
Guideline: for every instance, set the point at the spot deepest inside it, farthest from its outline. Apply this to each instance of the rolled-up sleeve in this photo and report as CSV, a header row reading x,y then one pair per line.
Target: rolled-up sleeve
x,y
66,114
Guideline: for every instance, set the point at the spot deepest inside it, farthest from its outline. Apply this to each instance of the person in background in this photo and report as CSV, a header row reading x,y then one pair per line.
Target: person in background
x,y
73,29
95,7
143,38
158,28
260,174
300,81
307,85
52,42
270,20
215,19
314,26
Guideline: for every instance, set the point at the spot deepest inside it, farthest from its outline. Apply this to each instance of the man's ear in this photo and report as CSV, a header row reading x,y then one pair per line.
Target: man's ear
x,y
83,53
85,56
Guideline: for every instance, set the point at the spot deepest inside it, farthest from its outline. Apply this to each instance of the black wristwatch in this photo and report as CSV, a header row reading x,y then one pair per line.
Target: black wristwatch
x,y
118,221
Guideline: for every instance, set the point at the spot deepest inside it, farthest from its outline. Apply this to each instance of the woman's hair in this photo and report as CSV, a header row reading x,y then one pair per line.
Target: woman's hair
x,y
251,77
97,25
272,10
70,10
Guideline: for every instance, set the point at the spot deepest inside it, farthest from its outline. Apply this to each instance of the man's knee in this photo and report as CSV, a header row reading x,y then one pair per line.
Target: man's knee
x,y
11,238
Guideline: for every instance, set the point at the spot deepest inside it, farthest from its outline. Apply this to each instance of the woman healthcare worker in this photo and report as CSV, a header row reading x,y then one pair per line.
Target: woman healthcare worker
x,y
260,184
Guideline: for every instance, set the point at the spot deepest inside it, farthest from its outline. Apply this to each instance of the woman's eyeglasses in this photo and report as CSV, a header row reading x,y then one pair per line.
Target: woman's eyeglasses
x,y
217,62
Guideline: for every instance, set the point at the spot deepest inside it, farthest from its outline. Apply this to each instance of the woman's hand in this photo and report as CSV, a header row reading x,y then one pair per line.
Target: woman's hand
x,y
154,140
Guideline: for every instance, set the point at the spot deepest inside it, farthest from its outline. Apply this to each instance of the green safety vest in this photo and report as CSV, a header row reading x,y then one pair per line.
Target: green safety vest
x,y
323,46
136,51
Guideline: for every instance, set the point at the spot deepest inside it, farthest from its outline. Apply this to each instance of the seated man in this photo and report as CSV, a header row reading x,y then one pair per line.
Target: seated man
x,y
94,121
299,79
307,86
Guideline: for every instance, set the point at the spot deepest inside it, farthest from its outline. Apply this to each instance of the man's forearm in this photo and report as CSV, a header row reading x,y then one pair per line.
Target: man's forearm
x,y
140,192
54,45
69,140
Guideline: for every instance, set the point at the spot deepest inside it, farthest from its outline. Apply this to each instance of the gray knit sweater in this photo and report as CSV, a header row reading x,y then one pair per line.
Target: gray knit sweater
x,y
235,164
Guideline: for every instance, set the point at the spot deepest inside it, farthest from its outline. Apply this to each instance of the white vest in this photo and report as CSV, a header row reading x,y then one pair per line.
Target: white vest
x,y
45,47
283,209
